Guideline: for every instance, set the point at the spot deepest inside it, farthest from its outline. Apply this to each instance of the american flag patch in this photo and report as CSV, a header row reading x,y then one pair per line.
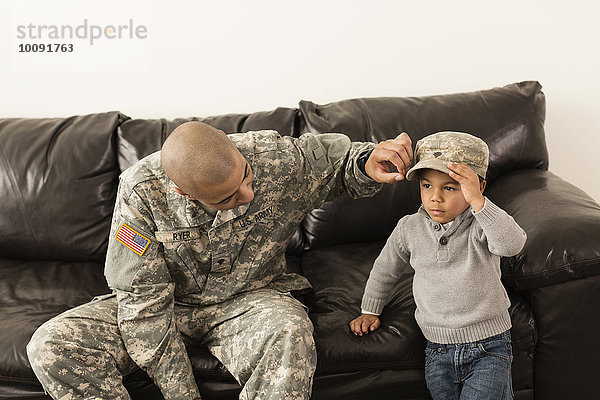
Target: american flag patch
x,y
132,239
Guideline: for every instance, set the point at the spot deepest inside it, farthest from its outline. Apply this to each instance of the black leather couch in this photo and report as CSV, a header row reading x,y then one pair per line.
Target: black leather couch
x,y
58,181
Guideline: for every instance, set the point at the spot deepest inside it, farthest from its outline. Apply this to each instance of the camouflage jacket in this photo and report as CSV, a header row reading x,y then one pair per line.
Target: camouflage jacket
x,y
164,247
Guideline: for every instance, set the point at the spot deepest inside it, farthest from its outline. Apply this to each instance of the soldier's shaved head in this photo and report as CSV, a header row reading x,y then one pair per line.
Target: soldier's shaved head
x,y
197,156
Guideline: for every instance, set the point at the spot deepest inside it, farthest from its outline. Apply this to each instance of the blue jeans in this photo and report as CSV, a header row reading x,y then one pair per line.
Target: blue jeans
x,y
468,371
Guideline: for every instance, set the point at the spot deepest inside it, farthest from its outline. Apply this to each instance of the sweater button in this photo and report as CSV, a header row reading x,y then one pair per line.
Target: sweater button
x,y
443,240
437,227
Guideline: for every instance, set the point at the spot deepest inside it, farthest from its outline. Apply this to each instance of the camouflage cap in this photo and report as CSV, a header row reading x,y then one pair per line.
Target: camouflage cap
x,y
436,150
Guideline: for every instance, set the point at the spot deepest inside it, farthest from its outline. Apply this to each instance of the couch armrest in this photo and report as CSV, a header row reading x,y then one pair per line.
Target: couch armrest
x,y
562,224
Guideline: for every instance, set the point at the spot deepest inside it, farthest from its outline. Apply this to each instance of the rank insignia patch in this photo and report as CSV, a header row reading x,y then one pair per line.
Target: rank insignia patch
x,y
132,239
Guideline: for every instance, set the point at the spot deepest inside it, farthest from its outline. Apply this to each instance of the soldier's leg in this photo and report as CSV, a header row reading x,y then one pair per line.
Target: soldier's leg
x,y
80,354
264,338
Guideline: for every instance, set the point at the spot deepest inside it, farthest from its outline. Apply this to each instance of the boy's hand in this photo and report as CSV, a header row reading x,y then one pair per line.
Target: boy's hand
x,y
469,184
365,323
388,154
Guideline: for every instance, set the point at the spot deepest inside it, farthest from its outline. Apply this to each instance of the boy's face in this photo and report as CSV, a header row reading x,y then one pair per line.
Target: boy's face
x,y
441,196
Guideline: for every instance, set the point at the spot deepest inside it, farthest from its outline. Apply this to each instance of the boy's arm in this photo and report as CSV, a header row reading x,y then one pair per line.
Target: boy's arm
x,y
505,238
392,262
470,186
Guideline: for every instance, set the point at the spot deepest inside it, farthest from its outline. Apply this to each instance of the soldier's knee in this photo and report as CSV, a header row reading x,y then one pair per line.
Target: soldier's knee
x,y
298,353
303,329
298,333
44,346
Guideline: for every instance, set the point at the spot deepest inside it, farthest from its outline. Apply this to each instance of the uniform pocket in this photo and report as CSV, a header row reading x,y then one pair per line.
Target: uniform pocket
x,y
185,271
186,258
186,254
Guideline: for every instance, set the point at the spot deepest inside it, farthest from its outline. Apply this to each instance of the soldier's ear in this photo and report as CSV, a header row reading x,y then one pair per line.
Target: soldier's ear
x,y
482,184
181,192
177,190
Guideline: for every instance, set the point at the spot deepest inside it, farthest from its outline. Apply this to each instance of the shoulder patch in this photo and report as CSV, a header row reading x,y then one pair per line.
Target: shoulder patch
x,y
132,239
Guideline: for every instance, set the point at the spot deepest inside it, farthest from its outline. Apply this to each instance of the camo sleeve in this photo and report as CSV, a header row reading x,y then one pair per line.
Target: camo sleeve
x,y
135,269
330,165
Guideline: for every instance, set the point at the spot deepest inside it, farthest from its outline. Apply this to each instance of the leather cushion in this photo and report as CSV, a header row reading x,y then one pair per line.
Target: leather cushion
x,y
58,179
32,292
338,275
562,242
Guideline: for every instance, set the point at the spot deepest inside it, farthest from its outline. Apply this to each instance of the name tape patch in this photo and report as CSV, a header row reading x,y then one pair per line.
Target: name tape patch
x,y
132,239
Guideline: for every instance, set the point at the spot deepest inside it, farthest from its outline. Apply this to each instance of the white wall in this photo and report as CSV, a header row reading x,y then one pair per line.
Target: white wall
x,y
205,58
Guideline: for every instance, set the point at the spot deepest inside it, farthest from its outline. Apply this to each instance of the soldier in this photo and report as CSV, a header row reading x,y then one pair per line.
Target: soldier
x,y
196,256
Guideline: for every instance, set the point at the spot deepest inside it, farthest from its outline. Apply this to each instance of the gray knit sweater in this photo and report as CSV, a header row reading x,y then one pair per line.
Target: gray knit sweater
x,y
456,284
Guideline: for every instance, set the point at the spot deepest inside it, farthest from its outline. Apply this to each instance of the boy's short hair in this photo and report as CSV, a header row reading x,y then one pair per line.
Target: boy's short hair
x,y
436,150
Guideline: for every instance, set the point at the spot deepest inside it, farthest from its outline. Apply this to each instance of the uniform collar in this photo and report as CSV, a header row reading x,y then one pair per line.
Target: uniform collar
x,y
228,215
197,215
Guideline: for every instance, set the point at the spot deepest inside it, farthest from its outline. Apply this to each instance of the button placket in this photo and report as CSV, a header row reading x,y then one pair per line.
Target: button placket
x,y
442,251
221,259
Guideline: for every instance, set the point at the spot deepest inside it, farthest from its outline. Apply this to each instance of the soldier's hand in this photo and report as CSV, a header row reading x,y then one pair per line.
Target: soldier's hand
x,y
364,324
388,154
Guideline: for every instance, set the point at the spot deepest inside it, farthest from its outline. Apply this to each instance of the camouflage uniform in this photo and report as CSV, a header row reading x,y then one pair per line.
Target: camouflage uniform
x,y
186,277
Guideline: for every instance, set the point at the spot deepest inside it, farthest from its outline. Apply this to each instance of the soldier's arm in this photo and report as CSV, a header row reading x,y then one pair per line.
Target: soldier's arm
x,y
329,165
136,270
389,154
332,164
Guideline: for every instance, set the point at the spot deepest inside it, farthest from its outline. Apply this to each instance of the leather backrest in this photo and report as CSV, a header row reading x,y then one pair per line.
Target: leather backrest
x,y
510,119
58,179
141,137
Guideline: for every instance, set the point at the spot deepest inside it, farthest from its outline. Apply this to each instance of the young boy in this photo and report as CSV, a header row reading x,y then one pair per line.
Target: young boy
x,y
454,244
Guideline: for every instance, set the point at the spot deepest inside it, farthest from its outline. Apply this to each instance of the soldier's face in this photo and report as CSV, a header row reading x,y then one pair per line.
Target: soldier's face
x,y
233,192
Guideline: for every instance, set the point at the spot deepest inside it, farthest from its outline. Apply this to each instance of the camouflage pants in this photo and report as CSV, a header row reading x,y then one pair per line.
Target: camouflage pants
x,y
264,338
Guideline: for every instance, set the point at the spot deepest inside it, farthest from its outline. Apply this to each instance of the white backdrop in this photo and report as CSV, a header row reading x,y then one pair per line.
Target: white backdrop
x,y
201,58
